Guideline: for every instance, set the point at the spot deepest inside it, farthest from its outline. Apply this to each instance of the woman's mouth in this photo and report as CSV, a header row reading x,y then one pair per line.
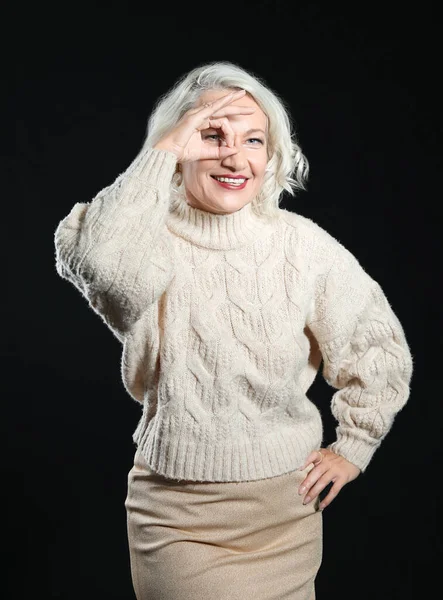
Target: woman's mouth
x,y
230,184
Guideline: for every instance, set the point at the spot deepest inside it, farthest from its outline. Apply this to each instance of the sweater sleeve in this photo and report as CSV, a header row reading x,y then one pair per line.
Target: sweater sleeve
x,y
365,357
115,250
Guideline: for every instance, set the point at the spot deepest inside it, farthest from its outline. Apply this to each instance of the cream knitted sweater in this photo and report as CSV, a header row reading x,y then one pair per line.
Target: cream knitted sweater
x,y
224,321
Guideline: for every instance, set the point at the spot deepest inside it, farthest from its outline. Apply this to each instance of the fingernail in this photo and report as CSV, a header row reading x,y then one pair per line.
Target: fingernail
x,y
322,506
307,499
302,490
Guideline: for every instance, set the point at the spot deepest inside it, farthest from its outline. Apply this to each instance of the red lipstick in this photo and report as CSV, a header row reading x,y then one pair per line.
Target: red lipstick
x,y
230,186
230,176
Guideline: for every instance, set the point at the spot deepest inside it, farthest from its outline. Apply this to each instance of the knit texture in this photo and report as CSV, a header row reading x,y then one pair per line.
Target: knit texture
x,y
224,322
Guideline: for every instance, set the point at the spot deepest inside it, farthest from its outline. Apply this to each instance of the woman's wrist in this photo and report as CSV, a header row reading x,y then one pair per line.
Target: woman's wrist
x,y
162,145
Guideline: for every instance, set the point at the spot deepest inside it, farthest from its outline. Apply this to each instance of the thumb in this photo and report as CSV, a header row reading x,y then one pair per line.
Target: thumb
x,y
225,151
221,152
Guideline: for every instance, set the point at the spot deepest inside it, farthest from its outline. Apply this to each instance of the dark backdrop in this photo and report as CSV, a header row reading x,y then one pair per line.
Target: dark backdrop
x,y
361,87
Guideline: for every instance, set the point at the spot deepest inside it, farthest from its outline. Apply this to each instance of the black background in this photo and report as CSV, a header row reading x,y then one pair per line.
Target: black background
x,y
362,87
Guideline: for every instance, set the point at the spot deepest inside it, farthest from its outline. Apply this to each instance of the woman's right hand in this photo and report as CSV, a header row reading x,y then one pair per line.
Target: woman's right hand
x,y
185,139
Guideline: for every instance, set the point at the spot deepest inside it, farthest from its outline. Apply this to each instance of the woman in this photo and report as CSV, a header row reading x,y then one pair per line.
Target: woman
x,y
225,305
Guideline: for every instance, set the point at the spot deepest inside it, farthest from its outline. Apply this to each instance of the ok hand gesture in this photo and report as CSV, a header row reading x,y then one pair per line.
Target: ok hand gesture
x,y
185,138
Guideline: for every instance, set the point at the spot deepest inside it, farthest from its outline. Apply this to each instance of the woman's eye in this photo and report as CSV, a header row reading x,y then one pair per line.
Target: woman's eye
x,y
216,135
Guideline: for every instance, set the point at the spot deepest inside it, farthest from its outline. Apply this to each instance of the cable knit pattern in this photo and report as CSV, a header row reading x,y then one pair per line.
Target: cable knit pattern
x,y
224,322
363,346
111,247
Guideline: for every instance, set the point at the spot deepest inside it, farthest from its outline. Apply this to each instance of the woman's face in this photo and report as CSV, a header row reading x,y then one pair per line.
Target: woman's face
x,y
250,159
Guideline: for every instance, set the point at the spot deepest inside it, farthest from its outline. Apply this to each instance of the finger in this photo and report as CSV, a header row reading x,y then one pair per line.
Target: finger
x,y
211,107
310,480
322,482
227,130
318,458
216,152
222,124
310,459
333,493
216,104
233,110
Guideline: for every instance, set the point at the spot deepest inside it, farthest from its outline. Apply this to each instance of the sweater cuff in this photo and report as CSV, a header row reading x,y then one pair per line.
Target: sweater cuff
x,y
155,168
355,450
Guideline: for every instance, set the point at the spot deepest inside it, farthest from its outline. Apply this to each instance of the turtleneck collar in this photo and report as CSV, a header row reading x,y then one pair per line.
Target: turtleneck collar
x,y
216,231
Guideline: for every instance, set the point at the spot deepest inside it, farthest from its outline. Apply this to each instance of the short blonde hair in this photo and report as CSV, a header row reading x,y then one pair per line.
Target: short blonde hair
x,y
287,167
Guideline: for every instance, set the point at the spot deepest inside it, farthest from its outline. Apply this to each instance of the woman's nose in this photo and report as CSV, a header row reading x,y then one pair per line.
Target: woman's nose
x,y
236,160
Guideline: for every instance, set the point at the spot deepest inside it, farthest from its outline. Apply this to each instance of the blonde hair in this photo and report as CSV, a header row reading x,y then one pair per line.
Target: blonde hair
x,y
287,167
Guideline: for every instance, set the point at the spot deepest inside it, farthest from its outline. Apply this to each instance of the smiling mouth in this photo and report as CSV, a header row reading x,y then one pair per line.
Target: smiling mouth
x,y
230,184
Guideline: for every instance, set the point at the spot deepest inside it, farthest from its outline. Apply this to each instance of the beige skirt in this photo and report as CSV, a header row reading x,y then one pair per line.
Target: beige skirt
x,y
191,540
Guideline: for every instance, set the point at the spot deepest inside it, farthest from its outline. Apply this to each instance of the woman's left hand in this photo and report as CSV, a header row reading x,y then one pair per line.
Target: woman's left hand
x,y
329,468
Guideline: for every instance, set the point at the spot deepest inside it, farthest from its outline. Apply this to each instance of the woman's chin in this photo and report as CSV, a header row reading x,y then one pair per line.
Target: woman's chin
x,y
227,207
227,203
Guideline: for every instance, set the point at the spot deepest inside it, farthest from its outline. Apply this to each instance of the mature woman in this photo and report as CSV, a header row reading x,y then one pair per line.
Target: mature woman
x,y
225,305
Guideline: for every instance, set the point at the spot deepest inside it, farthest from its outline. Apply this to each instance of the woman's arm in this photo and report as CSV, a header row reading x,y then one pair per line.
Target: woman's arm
x,y
116,250
365,353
